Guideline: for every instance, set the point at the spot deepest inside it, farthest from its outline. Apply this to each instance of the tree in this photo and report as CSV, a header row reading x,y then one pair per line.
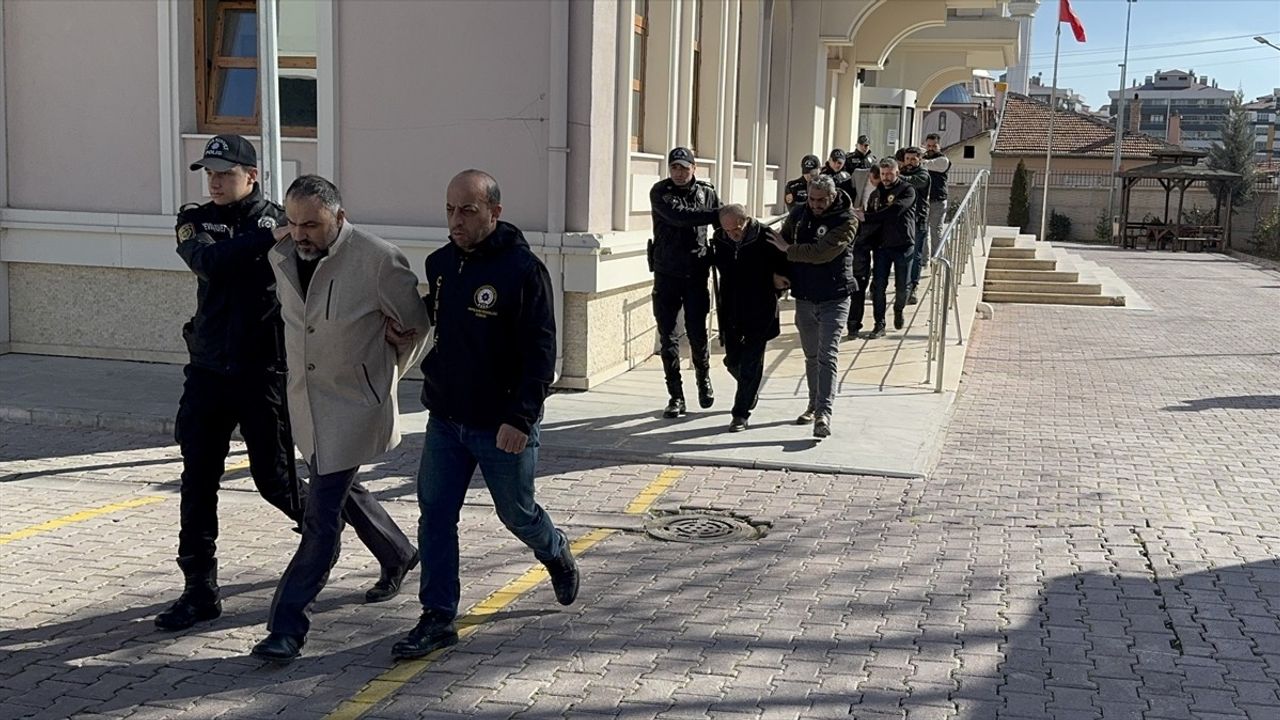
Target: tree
x,y
1019,200
1234,153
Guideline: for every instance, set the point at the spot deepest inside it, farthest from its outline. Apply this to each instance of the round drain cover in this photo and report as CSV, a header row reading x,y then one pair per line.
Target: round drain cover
x,y
701,527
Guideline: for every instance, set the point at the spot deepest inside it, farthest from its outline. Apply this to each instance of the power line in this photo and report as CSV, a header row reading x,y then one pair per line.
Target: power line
x,y
1149,46
1098,63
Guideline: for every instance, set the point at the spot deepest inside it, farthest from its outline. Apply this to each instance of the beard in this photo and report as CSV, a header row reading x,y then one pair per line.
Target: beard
x,y
308,255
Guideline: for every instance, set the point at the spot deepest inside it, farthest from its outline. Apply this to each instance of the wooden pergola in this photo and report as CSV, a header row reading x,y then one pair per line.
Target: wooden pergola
x,y
1175,169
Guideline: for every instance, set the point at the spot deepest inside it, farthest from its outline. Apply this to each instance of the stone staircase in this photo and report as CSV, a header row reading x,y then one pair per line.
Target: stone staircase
x,y
1022,270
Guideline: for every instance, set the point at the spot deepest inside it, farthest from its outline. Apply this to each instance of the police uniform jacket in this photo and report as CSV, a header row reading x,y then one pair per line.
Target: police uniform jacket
x,y
843,180
680,219
821,264
342,370
857,161
796,192
890,216
494,352
236,326
747,303
919,180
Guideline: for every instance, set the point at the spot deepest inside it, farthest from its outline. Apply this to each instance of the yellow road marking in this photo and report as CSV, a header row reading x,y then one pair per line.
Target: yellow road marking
x,y
650,494
77,517
386,684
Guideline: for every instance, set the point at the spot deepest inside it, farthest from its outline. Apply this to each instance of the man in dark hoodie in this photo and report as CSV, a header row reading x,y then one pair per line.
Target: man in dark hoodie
x,y
816,238
890,235
485,379
752,272
918,177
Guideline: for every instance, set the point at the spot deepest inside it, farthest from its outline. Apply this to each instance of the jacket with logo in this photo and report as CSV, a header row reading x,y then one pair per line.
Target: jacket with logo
x,y
821,264
890,217
236,327
680,219
494,352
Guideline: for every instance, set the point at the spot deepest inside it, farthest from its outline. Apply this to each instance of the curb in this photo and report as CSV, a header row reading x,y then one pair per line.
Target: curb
x,y
86,419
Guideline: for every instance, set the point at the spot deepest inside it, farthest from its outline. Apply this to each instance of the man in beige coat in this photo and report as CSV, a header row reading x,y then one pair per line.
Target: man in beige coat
x,y
340,291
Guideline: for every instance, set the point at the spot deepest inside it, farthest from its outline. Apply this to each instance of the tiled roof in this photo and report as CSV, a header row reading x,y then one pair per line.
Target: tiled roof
x,y
1024,130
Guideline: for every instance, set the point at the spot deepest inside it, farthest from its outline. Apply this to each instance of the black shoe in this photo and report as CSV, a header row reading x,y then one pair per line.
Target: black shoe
x,y
822,428
738,425
675,408
877,331
706,396
806,417
279,647
189,609
433,631
853,333
911,298
388,586
564,573
898,320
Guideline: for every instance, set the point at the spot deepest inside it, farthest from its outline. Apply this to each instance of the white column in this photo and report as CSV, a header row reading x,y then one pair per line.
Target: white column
x,y
807,88
269,102
4,193
327,90
169,115
686,31
726,74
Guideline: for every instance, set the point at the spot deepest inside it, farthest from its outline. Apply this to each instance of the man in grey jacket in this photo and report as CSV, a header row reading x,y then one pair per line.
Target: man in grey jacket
x,y
342,292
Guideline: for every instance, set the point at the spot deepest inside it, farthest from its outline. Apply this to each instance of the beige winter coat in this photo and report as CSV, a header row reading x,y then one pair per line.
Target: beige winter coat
x,y
342,371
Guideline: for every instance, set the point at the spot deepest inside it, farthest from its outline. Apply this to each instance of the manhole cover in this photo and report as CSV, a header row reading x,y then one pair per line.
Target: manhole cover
x,y
703,526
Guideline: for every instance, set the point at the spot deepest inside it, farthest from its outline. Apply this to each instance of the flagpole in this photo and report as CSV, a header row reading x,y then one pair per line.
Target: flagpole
x,y
1048,155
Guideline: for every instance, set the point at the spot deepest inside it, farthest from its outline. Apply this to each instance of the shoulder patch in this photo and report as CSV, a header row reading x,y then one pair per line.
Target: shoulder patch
x,y
186,232
268,222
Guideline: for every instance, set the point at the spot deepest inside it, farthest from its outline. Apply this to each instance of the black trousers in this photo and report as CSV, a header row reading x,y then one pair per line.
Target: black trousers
x,y
211,407
897,259
671,293
334,497
745,360
858,296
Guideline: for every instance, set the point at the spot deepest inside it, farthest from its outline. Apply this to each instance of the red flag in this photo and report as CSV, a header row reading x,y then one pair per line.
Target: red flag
x,y
1065,15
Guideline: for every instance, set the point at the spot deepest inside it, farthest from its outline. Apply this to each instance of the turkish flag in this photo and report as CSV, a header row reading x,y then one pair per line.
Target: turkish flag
x,y
1065,15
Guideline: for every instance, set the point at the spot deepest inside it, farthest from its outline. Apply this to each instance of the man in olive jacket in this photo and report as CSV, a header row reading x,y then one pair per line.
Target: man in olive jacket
x,y
817,239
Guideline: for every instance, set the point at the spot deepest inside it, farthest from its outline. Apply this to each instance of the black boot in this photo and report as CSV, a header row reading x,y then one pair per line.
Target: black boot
x,y
877,331
675,408
200,600
278,647
706,396
563,570
898,320
434,630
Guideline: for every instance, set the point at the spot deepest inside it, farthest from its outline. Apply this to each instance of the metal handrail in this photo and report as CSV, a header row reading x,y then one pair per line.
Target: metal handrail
x,y
953,254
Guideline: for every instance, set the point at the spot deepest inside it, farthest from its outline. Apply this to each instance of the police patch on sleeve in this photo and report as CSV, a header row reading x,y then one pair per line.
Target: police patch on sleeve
x,y
266,221
790,198
822,230
186,232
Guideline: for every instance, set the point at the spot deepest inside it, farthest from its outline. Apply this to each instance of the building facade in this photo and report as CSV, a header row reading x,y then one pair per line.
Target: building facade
x,y
1264,115
571,105
1197,101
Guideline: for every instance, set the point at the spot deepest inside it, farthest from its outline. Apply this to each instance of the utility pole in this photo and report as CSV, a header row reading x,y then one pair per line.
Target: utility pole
x,y
1115,160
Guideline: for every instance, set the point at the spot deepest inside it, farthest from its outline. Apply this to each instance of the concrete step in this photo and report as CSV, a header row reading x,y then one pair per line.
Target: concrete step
x,y
1053,298
1013,253
1057,276
1015,264
1007,241
1052,288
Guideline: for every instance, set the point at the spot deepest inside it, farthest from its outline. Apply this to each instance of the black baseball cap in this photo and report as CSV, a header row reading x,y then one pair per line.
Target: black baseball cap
x,y
224,152
680,156
864,140
836,154
810,162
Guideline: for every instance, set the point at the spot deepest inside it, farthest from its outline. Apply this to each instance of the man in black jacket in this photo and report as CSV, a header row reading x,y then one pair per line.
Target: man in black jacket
x,y
682,207
236,371
484,383
919,179
861,158
817,239
797,191
838,168
752,272
890,217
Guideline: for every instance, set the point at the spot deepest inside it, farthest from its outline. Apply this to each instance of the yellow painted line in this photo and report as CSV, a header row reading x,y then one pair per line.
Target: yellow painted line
x,y
386,684
647,497
382,687
77,517
235,467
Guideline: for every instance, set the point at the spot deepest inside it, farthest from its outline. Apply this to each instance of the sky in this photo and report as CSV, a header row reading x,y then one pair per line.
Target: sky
x,y
1211,37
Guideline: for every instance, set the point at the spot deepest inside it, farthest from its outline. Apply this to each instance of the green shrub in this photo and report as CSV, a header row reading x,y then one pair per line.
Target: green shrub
x,y
1059,227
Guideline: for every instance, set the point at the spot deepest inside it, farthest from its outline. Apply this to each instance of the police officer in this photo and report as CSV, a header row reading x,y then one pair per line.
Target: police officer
x,y
861,158
683,206
797,191
839,173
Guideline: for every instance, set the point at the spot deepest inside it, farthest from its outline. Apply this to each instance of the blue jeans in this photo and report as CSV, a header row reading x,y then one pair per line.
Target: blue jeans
x,y
450,453
820,325
897,259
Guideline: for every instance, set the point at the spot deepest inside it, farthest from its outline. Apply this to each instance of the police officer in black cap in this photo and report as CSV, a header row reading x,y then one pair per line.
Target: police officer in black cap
x,y
797,191
836,168
861,158
683,206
